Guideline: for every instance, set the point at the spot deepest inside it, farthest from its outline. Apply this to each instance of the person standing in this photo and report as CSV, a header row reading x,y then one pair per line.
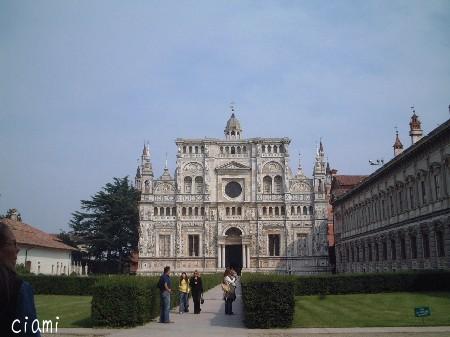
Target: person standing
x,y
197,291
16,295
165,288
184,293
229,294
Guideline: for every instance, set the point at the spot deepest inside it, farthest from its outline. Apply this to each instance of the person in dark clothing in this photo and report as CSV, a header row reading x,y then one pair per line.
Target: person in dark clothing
x,y
197,291
16,296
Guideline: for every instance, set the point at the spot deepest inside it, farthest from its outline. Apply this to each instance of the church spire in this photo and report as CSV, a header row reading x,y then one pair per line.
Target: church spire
x,y
299,169
146,165
398,146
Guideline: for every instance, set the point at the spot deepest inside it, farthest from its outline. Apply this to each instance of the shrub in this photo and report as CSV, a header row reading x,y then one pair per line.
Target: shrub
x,y
268,301
60,285
124,301
372,283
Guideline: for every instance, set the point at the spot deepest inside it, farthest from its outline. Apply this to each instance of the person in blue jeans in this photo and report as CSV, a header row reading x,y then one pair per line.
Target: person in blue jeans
x,y
184,289
165,288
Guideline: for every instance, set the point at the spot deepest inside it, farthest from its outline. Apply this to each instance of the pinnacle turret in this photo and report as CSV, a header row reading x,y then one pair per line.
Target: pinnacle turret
x,y
233,129
415,130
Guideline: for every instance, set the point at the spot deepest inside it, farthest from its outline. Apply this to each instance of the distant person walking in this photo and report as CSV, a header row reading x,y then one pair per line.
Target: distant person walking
x,y
165,288
229,291
197,291
184,293
16,296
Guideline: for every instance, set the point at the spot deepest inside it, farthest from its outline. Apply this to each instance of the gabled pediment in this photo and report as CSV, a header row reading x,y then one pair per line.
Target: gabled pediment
x,y
233,166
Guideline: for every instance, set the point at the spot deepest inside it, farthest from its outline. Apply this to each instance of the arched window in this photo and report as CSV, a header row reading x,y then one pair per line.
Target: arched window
x,y
239,211
198,185
269,148
161,211
283,211
202,211
227,211
183,211
311,210
299,210
221,149
187,184
167,211
233,210
239,150
292,210
155,211
267,184
190,210
190,149
278,184
244,149
196,149
305,210
270,211
196,211
319,187
264,210
233,150
277,211
174,211
275,149
184,149
263,148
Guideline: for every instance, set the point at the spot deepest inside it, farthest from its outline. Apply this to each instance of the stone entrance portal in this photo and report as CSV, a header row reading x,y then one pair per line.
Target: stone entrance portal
x,y
233,257
233,250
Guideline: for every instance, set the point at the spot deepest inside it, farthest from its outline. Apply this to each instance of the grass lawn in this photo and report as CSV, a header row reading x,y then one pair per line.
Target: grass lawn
x,y
73,311
366,310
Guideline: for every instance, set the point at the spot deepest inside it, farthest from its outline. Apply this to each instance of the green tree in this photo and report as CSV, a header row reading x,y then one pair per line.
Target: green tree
x,y
108,223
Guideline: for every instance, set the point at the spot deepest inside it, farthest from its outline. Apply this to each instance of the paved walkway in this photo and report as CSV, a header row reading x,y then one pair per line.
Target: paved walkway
x,y
212,322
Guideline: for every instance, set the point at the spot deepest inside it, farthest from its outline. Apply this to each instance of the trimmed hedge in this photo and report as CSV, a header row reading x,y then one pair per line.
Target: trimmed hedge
x,y
60,285
372,283
123,301
268,300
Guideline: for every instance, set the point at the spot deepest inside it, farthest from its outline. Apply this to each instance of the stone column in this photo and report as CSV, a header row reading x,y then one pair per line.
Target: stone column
x,y
248,255
244,256
223,256
219,256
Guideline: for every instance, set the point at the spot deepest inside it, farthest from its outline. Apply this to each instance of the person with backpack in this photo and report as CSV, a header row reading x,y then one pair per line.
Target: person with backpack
x,y
165,288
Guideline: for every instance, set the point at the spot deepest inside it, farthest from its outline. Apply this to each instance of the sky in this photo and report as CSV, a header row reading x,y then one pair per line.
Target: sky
x,y
83,84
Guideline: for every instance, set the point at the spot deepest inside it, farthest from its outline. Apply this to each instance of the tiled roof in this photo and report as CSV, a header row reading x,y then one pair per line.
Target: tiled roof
x,y
28,235
346,180
344,183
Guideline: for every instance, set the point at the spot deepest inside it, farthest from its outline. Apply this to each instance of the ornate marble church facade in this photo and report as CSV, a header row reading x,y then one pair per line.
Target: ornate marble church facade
x,y
233,202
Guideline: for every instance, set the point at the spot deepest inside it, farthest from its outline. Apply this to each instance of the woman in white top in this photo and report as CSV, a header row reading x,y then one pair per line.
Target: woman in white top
x,y
229,287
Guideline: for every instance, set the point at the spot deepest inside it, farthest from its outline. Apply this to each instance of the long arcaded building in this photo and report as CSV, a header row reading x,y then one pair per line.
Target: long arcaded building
x,y
398,218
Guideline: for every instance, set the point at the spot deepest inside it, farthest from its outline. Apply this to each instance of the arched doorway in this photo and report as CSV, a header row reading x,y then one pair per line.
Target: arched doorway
x,y
233,249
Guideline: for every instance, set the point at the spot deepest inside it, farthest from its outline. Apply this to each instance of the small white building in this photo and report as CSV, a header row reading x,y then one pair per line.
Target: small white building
x,y
40,252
